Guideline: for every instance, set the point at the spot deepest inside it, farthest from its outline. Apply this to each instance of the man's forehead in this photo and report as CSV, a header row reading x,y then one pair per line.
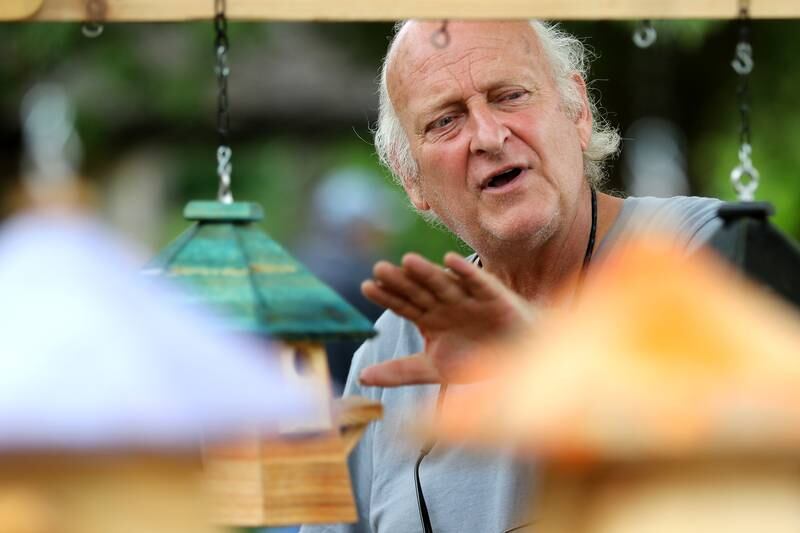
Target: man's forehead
x,y
415,45
418,69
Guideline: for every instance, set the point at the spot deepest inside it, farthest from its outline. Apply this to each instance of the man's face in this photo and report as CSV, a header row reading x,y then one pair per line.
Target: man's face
x,y
500,161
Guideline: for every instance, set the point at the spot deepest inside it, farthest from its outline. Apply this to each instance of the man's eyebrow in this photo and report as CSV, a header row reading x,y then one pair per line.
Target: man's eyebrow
x,y
439,102
512,80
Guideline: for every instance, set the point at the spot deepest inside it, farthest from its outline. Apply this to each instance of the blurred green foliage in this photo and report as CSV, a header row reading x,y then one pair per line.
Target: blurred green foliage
x,y
144,84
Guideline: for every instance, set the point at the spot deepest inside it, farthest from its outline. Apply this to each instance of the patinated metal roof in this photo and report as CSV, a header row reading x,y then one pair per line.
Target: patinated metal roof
x,y
234,266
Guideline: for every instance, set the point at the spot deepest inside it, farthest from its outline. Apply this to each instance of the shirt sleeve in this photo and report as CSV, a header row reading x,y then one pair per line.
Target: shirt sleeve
x,y
708,225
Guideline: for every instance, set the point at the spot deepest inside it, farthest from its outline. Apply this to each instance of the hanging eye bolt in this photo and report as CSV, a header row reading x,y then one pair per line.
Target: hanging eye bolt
x,y
645,34
745,177
95,13
441,37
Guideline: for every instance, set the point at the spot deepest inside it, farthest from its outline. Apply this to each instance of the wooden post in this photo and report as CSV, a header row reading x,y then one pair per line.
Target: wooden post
x,y
328,10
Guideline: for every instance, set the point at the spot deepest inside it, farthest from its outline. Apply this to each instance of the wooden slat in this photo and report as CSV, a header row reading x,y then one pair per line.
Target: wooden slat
x,y
18,9
355,411
165,10
350,437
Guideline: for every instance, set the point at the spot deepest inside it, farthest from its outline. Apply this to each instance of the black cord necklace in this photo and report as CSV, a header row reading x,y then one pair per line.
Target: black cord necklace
x,y
587,257
422,506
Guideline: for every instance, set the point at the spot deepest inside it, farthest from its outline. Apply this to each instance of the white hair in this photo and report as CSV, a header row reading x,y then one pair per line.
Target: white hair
x,y
566,55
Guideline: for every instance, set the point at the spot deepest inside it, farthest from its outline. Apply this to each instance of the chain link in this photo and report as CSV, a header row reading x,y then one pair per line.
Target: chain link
x,y
744,176
224,152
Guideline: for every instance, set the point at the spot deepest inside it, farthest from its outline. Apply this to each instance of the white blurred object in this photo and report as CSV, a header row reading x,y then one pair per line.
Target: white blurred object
x,y
94,355
654,161
53,147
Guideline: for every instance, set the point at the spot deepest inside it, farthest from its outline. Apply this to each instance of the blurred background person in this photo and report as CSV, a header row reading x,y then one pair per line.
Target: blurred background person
x,y
350,225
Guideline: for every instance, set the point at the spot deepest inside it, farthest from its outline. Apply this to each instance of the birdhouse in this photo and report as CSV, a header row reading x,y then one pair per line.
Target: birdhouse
x,y
650,406
108,387
749,242
228,262
101,492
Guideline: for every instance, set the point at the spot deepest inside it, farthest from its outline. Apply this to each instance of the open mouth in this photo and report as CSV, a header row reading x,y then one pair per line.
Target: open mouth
x,y
503,178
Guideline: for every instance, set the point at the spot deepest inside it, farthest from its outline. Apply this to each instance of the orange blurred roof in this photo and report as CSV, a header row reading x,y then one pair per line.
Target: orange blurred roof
x,y
661,355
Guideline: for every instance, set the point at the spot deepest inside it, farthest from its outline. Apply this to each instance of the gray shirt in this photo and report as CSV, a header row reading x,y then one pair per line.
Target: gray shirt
x,y
465,492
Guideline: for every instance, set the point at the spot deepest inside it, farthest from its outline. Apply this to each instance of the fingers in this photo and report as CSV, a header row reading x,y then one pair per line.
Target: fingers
x,y
414,369
438,281
390,300
394,279
478,283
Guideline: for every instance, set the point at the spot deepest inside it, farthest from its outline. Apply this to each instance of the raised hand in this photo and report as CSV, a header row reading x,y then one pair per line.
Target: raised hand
x,y
454,308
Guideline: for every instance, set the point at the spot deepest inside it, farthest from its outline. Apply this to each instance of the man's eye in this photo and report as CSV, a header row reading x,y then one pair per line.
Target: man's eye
x,y
442,122
513,95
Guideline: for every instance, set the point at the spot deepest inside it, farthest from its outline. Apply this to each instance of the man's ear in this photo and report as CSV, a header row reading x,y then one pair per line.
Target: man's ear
x,y
414,192
583,117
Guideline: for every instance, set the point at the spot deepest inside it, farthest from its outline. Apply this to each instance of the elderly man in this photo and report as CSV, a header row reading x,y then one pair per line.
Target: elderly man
x,y
494,136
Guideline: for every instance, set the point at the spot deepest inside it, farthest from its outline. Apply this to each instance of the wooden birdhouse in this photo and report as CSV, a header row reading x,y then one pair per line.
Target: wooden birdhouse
x,y
108,387
101,492
666,399
228,262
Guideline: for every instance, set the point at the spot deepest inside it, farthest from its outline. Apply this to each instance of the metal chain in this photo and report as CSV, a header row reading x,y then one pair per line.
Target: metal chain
x,y
645,34
224,152
744,176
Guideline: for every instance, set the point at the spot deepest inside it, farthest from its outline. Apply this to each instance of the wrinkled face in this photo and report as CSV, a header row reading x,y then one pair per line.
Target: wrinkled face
x,y
500,161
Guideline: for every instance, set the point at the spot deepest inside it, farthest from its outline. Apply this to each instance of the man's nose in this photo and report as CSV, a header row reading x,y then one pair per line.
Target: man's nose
x,y
489,133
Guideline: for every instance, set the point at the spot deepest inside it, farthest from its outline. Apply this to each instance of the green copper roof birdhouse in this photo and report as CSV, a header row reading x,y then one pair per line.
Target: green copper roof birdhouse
x,y
232,265
227,262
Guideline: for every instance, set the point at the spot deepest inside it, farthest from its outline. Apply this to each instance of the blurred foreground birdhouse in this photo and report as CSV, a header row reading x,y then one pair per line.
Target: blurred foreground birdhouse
x,y
666,399
104,492
109,385
229,263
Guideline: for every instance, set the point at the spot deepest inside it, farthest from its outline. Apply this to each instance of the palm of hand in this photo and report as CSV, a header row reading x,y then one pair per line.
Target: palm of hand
x,y
455,310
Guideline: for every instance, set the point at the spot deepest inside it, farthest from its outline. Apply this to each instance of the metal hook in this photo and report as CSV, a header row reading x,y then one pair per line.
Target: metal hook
x,y
645,34
92,30
745,177
441,37
224,152
743,62
95,13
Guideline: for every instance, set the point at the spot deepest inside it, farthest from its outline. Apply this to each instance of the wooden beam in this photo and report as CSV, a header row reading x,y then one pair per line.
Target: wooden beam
x,y
18,9
366,10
